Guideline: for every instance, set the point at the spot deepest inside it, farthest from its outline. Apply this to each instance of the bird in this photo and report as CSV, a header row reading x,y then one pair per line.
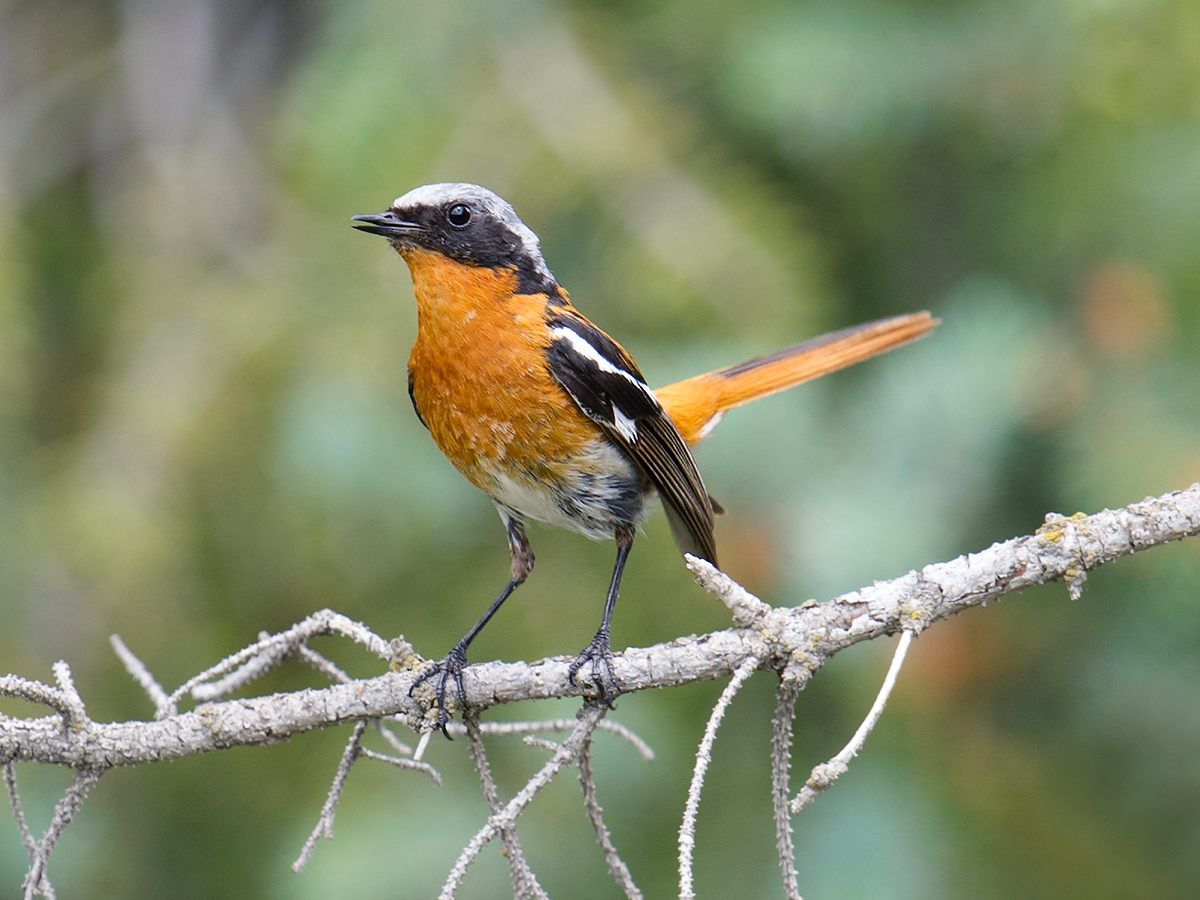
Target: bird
x,y
549,416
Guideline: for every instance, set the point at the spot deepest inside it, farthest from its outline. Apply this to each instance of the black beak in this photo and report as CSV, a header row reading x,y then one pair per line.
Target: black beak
x,y
386,223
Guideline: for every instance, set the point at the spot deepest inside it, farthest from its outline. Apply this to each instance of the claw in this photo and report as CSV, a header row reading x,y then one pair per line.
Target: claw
x,y
600,655
450,667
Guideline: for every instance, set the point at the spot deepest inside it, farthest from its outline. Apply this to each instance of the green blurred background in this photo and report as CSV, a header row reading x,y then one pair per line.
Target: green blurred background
x,y
204,430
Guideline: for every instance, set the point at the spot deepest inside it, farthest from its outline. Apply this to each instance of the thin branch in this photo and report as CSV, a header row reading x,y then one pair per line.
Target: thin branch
x,y
75,716
37,692
324,826
796,642
595,813
402,762
532,740
261,655
36,881
568,752
163,706
354,751
500,728
781,760
826,774
422,743
14,800
326,667
746,608
687,829
390,736
273,652
524,882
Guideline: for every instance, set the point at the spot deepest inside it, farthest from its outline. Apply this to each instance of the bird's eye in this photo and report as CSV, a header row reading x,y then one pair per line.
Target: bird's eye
x,y
459,215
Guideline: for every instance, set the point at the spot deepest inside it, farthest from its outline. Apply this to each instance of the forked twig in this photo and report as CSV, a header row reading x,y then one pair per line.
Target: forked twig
x,y
804,637
74,713
250,662
402,762
535,725
44,695
568,752
524,882
36,881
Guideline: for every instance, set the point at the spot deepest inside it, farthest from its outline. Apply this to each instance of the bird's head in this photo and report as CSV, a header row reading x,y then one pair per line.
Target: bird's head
x,y
466,223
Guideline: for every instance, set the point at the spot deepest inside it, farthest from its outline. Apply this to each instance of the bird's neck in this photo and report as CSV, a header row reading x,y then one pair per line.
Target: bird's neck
x,y
450,293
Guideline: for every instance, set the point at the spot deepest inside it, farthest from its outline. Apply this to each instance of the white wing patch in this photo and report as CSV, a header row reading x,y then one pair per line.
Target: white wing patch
x,y
580,345
625,426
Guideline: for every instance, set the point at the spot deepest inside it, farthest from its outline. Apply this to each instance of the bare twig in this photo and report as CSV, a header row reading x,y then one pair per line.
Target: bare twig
x,y
402,762
524,882
75,715
36,881
595,813
272,651
324,826
326,667
533,740
263,654
687,829
746,608
14,800
390,736
781,759
795,642
499,728
422,743
353,752
568,752
163,706
827,773
37,692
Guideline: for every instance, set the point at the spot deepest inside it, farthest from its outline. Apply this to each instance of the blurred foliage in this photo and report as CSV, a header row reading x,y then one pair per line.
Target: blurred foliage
x,y
204,430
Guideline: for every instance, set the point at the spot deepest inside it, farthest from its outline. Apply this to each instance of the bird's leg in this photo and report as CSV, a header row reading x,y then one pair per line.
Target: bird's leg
x,y
598,652
450,668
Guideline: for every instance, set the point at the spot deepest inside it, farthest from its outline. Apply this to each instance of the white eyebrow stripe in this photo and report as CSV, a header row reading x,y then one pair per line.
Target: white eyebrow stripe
x,y
450,192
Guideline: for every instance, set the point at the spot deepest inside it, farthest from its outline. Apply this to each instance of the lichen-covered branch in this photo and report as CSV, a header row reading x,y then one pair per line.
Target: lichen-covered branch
x,y
797,640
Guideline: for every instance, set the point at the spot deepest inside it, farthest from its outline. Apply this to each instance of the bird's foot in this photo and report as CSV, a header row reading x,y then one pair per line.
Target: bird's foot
x,y
600,656
448,669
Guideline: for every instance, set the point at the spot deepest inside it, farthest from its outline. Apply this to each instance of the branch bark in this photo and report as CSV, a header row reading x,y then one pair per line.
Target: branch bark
x,y
794,641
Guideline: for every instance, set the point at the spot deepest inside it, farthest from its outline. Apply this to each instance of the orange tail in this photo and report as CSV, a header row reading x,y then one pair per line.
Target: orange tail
x,y
697,404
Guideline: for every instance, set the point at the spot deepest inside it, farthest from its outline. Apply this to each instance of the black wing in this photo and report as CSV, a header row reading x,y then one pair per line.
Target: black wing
x,y
606,383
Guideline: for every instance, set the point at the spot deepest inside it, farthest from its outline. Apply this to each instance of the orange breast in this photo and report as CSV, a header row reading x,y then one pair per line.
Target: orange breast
x,y
480,378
